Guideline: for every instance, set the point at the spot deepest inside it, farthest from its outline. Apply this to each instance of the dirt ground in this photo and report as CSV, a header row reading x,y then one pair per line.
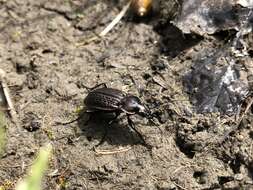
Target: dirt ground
x,y
48,66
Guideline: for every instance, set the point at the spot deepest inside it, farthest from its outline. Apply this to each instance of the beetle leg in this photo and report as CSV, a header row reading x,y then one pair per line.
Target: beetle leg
x,y
103,138
106,129
96,86
68,122
131,124
74,120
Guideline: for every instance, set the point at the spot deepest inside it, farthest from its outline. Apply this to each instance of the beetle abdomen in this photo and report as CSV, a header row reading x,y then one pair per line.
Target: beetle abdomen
x,y
104,99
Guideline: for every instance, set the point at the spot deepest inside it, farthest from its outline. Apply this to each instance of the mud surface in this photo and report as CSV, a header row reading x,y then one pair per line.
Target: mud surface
x,y
48,65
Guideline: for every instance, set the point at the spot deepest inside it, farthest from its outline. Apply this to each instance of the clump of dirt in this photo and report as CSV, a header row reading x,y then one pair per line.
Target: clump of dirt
x,y
48,68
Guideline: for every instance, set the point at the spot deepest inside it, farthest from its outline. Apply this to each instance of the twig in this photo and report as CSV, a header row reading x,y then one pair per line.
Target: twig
x,y
6,93
114,151
180,168
250,150
235,127
246,110
23,165
181,187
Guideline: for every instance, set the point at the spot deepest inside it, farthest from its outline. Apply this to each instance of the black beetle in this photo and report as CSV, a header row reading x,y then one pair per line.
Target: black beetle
x,y
110,100
113,100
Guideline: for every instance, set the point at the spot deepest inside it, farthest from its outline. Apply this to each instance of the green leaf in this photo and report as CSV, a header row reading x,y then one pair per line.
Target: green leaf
x,y
33,181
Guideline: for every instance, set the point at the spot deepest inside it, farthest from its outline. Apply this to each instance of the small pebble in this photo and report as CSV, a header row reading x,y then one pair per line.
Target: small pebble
x,y
240,137
238,177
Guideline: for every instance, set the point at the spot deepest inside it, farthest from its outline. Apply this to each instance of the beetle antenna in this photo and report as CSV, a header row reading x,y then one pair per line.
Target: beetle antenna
x,y
155,124
150,118
66,123
137,86
89,89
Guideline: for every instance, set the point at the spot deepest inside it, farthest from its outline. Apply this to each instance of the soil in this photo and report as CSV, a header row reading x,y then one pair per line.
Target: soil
x,y
49,64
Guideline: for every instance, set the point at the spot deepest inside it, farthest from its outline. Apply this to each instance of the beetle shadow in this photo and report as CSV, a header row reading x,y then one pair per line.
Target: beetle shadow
x,y
94,125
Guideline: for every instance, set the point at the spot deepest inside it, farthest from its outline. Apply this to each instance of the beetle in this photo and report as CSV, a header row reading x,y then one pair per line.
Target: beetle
x,y
109,100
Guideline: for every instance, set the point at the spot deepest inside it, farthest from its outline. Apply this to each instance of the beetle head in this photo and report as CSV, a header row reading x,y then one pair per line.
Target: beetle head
x,y
133,105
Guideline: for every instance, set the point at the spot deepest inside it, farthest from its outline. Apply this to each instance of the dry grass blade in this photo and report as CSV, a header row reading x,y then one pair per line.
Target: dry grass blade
x,y
112,151
115,20
6,93
109,27
2,132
